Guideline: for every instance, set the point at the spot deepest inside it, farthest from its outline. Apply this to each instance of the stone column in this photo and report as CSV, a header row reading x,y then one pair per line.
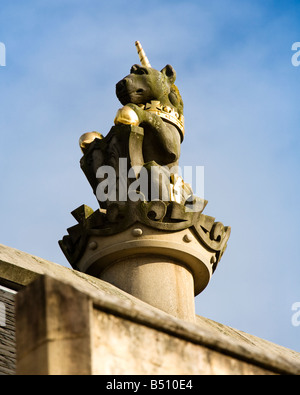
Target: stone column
x,y
165,269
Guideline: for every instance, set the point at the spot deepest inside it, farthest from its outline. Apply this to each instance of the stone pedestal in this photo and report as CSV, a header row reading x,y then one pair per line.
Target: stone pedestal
x,y
165,269
160,253
161,282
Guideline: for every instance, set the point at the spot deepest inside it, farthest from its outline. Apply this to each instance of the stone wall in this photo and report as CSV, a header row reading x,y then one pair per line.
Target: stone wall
x,y
62,330
7,332
71,323
143,350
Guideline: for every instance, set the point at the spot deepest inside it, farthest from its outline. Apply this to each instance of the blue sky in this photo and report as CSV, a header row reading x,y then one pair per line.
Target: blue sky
x,y
241,97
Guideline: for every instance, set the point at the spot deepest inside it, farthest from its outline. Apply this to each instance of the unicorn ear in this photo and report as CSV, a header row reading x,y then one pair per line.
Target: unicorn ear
x,y
170,73
134,68
143,58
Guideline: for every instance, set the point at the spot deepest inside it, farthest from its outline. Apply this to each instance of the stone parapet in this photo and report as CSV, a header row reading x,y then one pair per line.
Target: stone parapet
x,y
72,323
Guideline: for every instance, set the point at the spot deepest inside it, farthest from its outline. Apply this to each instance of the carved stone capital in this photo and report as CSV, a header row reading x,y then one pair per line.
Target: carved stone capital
x,y
164,217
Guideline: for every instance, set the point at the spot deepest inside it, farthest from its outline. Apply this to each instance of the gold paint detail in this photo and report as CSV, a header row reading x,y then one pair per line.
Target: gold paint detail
x,y
126,116
167,113
87,138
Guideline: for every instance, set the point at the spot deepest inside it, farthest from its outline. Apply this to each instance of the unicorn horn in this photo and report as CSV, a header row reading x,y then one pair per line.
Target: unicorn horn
x,y
143,58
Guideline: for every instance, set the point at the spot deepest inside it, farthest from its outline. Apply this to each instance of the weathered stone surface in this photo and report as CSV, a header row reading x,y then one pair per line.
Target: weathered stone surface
x,y
213,338
53,329
7,332
156,280
160,268
122,244
105,251
158,215
19,269
125,347
126,341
